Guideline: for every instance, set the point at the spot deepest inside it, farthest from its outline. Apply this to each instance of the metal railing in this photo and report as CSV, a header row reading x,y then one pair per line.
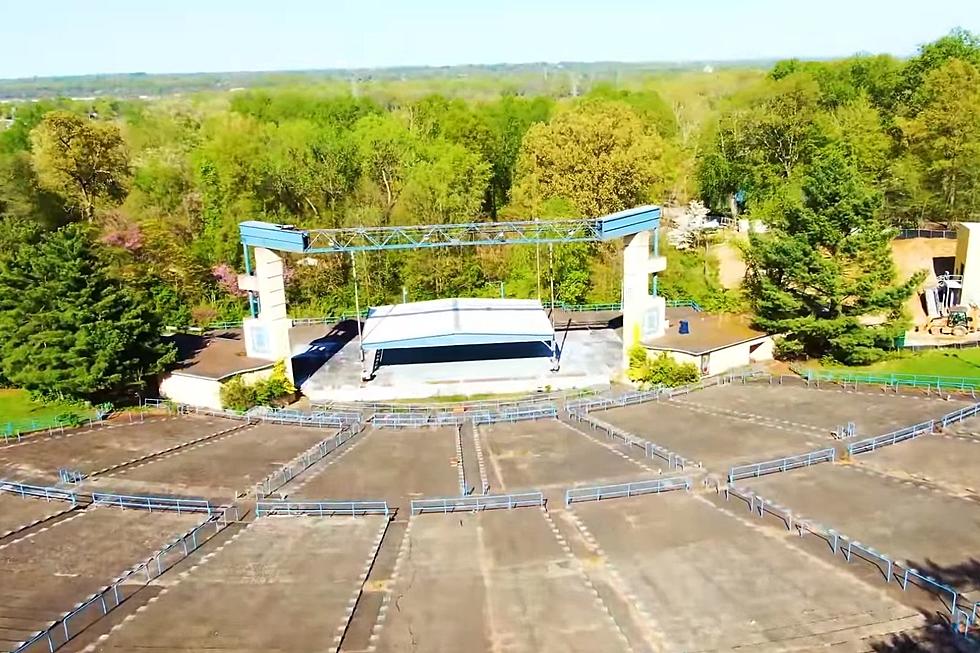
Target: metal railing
x,y
304,461
399,420
39,491
650,449
904,234
111,596
845,431
959,415
151,503
476,405
314,418
877,442
929,381
66,475
618,490
849,549
322,508
642,396
16,430
318,419
517,414
781,464
477,502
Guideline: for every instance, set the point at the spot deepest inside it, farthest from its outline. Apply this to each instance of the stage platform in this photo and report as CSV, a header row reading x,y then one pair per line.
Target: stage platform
x,y
326,361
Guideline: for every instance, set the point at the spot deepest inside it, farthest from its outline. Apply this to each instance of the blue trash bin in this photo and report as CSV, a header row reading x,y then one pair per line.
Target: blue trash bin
x,y
684,328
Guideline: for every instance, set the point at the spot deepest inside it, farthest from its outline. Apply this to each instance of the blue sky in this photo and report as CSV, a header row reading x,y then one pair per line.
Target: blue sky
x,y
63,37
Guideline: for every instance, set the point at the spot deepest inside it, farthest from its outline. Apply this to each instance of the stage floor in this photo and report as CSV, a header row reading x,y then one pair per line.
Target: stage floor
x,y
328,367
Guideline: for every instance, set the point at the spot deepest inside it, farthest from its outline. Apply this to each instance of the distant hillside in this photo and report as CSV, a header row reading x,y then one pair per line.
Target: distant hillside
x,y
525,78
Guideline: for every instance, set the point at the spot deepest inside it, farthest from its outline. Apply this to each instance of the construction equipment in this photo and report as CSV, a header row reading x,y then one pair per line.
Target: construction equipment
x,y
958,321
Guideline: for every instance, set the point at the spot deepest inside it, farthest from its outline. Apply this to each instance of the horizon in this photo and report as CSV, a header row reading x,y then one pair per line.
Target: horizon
x,y
247,36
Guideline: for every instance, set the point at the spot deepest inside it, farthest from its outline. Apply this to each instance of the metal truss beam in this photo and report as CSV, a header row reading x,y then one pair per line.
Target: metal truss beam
x,y
362,239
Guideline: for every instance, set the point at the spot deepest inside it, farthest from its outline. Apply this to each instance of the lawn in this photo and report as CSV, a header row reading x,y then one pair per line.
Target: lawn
x,y
17,406
950,362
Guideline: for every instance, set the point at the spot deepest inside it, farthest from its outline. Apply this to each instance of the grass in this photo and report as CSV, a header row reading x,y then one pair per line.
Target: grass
x,y
17,406
952,362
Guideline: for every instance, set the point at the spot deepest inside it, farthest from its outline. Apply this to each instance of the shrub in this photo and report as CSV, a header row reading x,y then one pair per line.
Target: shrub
x,y
661,370
238,395
70,419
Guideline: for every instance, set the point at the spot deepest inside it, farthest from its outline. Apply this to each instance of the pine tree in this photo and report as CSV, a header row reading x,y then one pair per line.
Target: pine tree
x,y
70,329
823,276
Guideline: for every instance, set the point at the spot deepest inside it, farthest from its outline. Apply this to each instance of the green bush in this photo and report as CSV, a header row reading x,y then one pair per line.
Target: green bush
x,y
238,395
70,419
661,370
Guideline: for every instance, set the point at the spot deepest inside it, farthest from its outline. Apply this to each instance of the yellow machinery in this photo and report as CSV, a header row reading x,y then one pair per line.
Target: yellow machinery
x,y
958,321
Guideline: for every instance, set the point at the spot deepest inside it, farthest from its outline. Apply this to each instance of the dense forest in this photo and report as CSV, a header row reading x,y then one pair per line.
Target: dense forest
x,y
120,216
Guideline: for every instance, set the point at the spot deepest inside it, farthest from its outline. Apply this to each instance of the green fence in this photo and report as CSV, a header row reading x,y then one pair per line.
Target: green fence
x,y
933,381
14,429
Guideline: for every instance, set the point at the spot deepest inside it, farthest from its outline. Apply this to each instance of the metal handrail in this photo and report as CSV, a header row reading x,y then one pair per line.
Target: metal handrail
x,y
477,502
781,464
151,503
635,488
322,508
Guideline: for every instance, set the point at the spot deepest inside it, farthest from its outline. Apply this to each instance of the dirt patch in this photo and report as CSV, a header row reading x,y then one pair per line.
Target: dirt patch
x,y
731,267
915,254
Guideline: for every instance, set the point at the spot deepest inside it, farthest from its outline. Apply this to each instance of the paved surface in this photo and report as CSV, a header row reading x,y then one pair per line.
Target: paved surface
x,y
397,465
493,581
17,512
282,584
45,573
218,468
95,449
589,357
872,410
925,527
718,441
542,453
949,461
703,581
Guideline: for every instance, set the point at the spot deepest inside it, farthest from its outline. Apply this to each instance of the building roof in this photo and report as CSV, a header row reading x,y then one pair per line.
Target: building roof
x,y
215,357
450,322
707,332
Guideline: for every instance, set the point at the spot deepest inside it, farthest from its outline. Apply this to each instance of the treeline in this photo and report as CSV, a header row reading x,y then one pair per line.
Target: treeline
x,y
556,79
832,156
135,206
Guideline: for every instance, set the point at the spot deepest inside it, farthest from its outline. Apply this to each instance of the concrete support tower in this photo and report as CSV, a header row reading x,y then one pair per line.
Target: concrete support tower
x,y
644,312
267,334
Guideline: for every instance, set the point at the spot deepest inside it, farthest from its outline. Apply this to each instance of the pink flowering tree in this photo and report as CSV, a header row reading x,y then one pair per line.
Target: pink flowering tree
x,y
126,236
227,279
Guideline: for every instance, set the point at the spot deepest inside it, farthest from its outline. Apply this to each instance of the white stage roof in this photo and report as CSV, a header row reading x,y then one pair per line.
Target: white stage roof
x,y
450,322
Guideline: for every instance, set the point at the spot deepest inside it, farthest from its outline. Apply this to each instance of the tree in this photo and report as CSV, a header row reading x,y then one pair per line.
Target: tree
x,y
447,184
945,135
958,44
70,330
760,143
509,119
597,154
82,160
387,150
824,272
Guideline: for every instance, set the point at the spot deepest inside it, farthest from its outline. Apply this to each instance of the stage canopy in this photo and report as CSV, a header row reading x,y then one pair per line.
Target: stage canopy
x,y
455,322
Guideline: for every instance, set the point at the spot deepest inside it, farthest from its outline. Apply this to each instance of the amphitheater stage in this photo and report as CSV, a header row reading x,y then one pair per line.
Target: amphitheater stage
x,y
327,365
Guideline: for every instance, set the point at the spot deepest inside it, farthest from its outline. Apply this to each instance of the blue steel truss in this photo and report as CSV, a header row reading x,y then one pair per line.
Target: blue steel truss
x,y
363,239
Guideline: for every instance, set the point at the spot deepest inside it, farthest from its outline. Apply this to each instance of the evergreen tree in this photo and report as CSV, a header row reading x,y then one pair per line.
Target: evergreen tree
x,y
70,329
823,276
